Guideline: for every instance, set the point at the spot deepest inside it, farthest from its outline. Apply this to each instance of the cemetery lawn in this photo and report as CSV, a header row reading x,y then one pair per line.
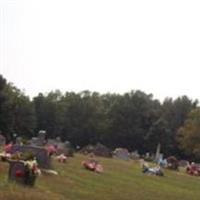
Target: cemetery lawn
x,y
122,180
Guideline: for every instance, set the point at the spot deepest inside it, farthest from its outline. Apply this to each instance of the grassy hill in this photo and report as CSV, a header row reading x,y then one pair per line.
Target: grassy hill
x,y
121,181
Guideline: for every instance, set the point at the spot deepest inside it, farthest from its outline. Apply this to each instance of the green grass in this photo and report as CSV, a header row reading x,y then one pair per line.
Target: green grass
x,y
121,181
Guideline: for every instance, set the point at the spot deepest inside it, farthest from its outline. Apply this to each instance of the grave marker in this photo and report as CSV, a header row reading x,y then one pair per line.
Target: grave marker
x,y
40,153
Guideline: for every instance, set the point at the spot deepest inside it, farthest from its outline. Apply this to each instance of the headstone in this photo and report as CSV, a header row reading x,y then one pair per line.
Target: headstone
x,y
42,134
51,142
183,163
158,154
87,149
101,150
121,153
19,141
67,144
19,173
34,142
40,153
41,139
135,155
16,167
172,163
77,147
2,140
55,142
65,148
147,155
98,150
61,145
160,158
58,139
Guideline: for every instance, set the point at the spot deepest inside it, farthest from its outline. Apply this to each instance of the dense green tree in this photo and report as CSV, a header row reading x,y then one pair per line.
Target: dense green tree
x,y
84,118
189,134
48,113
16,112
4,117
131,117
134,120
20,112
175,113
158,134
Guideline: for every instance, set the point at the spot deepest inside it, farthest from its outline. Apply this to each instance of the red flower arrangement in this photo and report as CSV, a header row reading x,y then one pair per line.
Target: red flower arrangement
x,y
19,173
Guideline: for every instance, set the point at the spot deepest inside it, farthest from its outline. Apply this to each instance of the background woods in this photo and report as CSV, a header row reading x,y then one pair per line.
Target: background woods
x,y
134,120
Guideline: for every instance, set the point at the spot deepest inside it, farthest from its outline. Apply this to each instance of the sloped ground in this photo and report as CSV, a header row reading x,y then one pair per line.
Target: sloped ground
x,y
121,181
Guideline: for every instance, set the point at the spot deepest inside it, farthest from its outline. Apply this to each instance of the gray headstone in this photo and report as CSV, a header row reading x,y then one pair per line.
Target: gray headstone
x,y
17,167
158,155
58,139
51,142
101,150
2,140
122,154
40,153
37,141
19,141
135,155
61,145
183,163
41,138
14,167
65,148
67,144
33,141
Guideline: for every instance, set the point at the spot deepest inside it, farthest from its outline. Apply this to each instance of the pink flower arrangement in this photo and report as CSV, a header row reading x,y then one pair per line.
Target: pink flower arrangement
x,y
93,166
62,158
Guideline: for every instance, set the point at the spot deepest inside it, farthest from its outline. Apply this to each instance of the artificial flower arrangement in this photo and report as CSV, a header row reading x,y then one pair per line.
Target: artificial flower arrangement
x,y
61,158
5,156
92,165
25,168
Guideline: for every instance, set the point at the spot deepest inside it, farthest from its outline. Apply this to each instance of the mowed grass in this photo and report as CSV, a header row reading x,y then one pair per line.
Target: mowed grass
x,y
122,180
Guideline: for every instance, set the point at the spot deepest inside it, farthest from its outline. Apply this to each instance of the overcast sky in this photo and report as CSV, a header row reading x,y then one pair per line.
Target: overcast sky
x,y
104,46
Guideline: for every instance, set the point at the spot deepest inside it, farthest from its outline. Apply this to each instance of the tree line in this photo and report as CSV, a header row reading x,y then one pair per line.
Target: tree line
x,y
134,120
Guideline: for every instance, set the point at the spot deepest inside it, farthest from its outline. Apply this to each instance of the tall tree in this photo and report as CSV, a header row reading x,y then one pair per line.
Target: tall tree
x,y
47,113
189,134
132,115
175,113
19,111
